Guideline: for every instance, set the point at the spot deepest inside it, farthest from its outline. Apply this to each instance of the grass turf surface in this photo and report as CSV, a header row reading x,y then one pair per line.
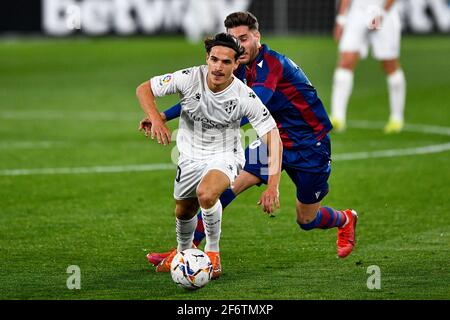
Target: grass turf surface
x,y
66,104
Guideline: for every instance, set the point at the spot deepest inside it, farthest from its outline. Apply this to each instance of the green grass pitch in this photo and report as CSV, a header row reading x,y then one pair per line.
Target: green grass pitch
x,y
71,104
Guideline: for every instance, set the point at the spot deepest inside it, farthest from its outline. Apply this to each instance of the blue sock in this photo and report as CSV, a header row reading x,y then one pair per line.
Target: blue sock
x,y
226,198
326,218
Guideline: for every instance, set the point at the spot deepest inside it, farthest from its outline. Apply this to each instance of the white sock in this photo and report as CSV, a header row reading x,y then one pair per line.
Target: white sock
x,y
185,233
212,220
397,91
342,88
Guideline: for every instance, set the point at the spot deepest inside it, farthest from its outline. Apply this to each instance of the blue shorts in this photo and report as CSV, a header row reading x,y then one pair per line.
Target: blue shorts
x,y
308,168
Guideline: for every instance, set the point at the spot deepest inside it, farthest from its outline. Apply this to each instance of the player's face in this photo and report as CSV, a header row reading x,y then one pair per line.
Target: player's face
x,y
221,64
250,40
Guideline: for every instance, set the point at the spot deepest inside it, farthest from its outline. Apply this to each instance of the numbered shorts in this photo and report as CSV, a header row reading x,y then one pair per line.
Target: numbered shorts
x,y
357,35
190,173
308,168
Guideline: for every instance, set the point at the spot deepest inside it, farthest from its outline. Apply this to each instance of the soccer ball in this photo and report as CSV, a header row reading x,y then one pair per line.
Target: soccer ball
x,y
191,269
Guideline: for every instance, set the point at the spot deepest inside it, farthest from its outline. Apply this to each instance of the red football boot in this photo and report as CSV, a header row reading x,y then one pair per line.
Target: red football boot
x,y
156,257
346,234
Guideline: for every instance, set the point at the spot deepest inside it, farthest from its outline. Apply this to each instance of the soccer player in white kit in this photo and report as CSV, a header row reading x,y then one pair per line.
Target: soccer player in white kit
x,y
213,103
358,24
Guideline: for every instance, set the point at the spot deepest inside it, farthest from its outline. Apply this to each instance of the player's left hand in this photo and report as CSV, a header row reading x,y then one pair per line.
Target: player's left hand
x,y
270,200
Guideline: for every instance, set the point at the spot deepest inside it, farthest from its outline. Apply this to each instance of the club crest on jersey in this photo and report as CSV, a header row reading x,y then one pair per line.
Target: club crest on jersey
x,y
230,106
165,80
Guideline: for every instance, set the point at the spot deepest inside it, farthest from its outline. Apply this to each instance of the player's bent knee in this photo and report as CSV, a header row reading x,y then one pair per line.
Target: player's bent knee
x,y
207,202
206,199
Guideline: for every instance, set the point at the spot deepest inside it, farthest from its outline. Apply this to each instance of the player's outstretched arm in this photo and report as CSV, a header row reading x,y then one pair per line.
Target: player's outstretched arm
x,y
158,128
270,197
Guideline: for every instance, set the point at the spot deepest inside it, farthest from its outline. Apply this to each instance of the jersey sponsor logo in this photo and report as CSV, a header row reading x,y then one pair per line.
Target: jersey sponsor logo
x,y
231,105
260,64
207,123
187,71
318,194
198,96
164,80
251,94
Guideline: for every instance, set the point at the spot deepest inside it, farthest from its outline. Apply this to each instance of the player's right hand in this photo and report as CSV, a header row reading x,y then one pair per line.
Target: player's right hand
x,y
161,132
156,129
146,125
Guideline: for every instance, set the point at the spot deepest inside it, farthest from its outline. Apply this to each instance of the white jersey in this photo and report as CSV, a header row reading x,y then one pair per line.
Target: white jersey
x,y
210,122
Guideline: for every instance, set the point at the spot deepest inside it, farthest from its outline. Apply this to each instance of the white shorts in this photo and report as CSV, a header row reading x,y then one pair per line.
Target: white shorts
x,y
190,173
357,35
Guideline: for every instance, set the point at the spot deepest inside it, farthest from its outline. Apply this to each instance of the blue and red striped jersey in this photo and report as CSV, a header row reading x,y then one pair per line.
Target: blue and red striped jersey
x,y
290,97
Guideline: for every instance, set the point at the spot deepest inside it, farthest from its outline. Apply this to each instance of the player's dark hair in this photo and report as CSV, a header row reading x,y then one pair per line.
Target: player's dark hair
x,y
241,18
225,40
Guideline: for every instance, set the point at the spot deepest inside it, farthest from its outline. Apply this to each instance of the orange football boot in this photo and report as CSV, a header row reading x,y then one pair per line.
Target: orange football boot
x,y
164,265
215,260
